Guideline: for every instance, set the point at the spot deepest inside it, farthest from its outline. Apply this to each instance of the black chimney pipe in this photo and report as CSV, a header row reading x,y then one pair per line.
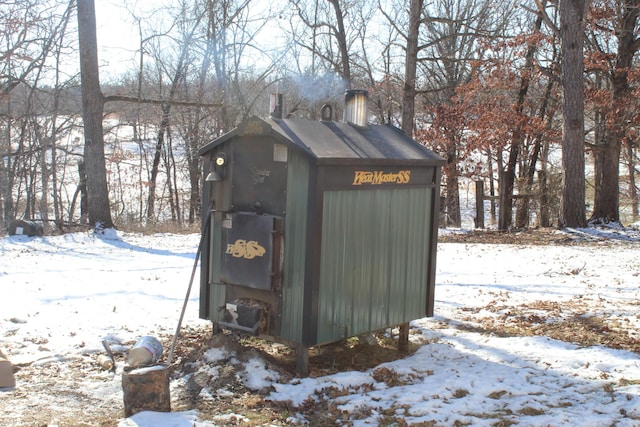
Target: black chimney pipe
x,y
275,105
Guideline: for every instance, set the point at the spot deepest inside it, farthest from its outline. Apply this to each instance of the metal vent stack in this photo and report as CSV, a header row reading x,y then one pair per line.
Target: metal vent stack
x,y
355,107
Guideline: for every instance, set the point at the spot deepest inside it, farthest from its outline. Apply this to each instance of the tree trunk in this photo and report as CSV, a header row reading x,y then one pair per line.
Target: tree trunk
x,y
452,197
57,200
607,180
82,186
410,66
606,206
499,168
6,178
165,120
193,136
505,213
517,139
544,198
522,214
155,167
633,191
44,179
341,38
81,191
172,183
92,110
573,190
492,189
453,201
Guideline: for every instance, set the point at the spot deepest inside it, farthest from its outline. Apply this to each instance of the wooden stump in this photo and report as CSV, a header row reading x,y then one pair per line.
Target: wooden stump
x,y
6,373
146,389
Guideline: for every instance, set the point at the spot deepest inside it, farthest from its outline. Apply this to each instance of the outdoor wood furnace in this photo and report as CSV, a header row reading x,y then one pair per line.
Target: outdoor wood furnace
x,y
318,230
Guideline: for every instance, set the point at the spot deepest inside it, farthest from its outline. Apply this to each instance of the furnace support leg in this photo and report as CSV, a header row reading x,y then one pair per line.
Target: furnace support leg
x,y
302,360
403,338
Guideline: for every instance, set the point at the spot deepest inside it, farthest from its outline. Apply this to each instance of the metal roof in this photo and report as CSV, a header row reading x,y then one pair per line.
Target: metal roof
x,y
331,140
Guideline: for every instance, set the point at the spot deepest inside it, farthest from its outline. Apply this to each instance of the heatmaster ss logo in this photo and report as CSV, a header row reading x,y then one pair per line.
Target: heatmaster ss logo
x,y
247,250
381,177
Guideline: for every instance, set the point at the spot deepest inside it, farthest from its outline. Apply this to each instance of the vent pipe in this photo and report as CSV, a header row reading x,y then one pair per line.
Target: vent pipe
x,y
326,113
275,105
355,107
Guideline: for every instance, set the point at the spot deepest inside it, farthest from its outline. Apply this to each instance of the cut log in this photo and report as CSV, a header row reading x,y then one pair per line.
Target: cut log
x,y
146,389
6,374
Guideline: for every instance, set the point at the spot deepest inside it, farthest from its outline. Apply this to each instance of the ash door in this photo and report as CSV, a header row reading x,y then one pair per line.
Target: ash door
x,y
251,246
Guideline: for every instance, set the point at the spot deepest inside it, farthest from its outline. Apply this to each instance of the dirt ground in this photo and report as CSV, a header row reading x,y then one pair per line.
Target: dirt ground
x,y
352,354
368,352
250,408
530,236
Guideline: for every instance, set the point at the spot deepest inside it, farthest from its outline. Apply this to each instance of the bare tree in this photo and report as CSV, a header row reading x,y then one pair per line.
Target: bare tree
x,y
99,211
411,61
518,136
194,123
35,43
619,112
537,151
201,57
334,27
448,46
572,26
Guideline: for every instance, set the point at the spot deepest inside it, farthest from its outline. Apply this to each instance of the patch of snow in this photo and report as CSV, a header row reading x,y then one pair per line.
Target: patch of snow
x,y
63,295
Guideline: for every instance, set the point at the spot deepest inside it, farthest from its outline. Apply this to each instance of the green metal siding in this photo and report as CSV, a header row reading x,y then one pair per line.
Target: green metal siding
x,y
217,291
374,260
411,237
293,277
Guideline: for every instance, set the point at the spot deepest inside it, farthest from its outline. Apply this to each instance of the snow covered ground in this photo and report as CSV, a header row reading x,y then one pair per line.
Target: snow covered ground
x,y
61,296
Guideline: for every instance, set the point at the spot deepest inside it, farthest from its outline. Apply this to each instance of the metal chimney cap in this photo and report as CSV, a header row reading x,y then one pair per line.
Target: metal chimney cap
x,y
355,107
355,92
